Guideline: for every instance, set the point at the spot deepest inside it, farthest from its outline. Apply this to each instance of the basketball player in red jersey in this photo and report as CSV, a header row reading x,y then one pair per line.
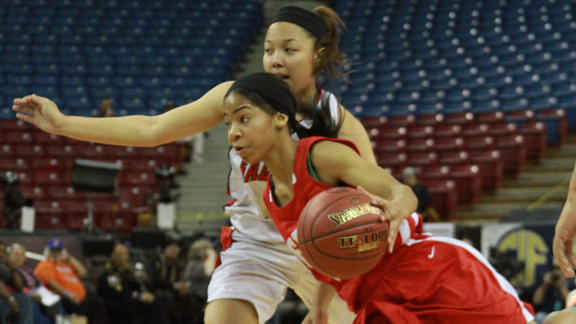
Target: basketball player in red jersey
x,y
426,280
257,269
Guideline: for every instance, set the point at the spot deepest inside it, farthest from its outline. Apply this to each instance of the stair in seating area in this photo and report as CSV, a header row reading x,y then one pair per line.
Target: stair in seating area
x,y
543,185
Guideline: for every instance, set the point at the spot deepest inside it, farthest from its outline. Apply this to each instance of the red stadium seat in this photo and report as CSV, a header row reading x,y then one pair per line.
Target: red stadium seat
x,y
25,177
560,115
14,164
535,139
91,151
446,130
475,130
474,143
394,160
490,167
34,192
396,132
122,222
497,129
142,164
459,118
401,120
61,151
65,193
13,124
430,120
390,145
18,137
47,207
131,197
137,178
513,151
29,150
490,117
54,164
435,172
51,178
420,144
420,131
454,157
123,152
373,132
449,143
46,138
444,197
422,158
50,221
468,182
7,150
374,121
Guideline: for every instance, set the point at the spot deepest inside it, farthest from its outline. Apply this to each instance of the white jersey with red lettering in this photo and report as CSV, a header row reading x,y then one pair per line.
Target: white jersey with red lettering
x,y
255,264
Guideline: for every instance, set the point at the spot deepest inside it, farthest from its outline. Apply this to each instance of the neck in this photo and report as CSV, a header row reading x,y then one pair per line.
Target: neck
x,y
280,161
309,95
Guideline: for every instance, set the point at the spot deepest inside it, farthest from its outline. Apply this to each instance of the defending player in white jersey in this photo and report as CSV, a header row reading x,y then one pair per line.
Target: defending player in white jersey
x,y
299,45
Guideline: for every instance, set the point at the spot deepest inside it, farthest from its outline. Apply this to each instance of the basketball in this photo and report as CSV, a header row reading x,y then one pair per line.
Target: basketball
x,y
340,233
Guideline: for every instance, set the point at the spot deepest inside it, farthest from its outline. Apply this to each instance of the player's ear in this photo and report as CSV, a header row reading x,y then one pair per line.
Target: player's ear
x,y
280,120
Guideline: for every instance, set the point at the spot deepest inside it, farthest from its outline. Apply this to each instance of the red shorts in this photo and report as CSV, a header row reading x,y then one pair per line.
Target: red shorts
x,y
438,280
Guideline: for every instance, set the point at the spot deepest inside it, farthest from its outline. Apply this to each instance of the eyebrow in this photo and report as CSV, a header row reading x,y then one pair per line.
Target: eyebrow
x,y
236,110
288,40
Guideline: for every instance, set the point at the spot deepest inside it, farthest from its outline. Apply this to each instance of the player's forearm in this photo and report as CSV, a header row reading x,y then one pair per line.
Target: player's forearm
x,y
126,131
405,197
324,295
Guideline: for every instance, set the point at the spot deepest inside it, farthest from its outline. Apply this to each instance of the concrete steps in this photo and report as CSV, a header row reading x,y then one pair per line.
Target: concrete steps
x,y
543,185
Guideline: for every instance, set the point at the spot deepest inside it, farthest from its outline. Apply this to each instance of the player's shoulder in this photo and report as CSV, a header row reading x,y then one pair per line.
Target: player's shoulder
x,y
329,151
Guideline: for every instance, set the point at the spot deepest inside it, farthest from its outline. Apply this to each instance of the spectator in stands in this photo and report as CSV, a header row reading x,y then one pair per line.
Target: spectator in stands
x,y
106,109
201,262
13,198
61,273
15,306
165,279
551,295
42,314
410,178
126,300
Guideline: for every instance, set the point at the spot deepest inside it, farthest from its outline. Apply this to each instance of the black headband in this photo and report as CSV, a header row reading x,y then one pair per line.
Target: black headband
x,y
303,18
271,89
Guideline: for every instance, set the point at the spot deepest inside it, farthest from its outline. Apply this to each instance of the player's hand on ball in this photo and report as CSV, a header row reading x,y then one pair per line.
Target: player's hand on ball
x,y
39,111
392,213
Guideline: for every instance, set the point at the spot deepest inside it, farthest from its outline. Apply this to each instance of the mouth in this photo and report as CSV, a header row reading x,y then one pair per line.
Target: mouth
x,y
239,149
283,76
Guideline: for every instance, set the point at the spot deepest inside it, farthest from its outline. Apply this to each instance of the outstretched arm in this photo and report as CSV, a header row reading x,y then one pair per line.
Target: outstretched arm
x,y
334,162
175,124
566,230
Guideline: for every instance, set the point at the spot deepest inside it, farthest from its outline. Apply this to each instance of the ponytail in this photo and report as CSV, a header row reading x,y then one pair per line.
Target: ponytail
x,y
331,58
322,122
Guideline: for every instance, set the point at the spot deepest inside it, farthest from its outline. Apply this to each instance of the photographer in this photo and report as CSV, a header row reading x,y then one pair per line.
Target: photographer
x,y
550,296
13,198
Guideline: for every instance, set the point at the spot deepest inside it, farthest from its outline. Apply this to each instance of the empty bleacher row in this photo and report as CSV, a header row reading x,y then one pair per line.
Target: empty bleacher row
x,y
139,53
451,56
464,90
44,164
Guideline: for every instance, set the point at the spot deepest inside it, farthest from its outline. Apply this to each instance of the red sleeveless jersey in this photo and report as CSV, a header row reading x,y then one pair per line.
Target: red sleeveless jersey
x,y
426,280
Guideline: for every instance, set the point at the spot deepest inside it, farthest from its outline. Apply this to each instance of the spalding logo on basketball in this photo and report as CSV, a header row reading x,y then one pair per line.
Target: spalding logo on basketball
x,y
340,233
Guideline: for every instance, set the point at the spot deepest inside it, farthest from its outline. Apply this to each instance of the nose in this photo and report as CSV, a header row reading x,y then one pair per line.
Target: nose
x,y
277,60
233,133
